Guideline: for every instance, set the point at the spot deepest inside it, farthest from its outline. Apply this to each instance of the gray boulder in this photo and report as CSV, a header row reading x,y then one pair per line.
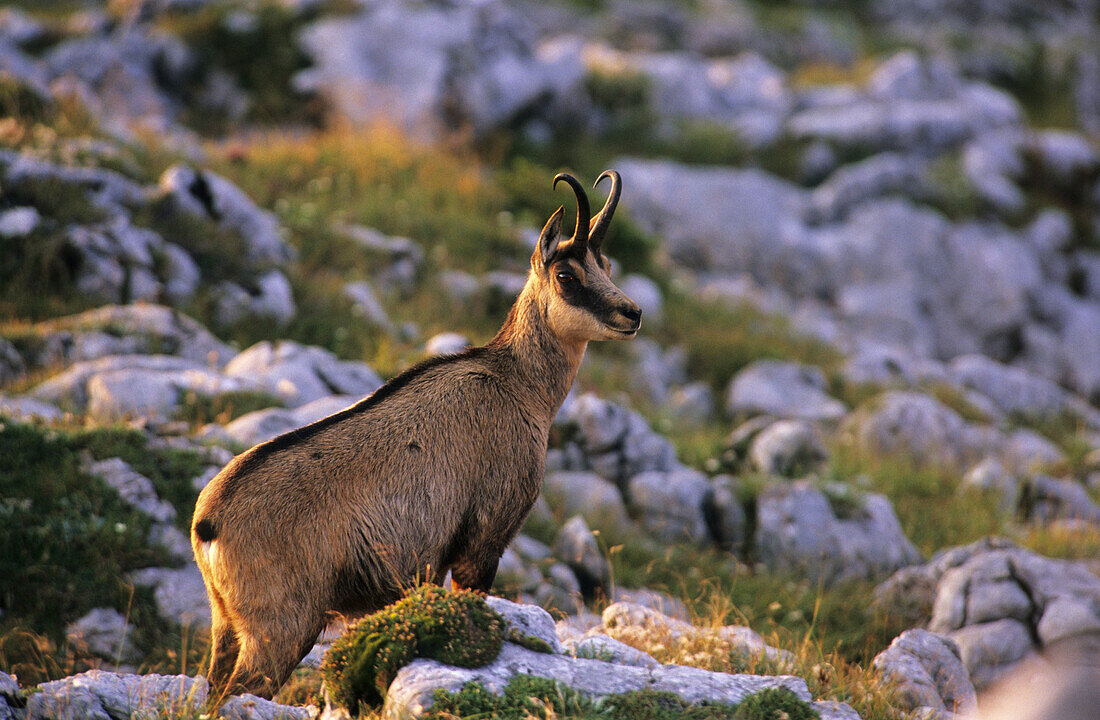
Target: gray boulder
x,y
28,409
209,195
135,489
262,425
179,593
855,183
917,426
12,365
639,624
726,515
125,330
928,672
12,702
528,620
300,374
268,296
1000,603
798,530
782,389
603,647
670,506
991,476
1048,499
121,386
1013,390
788,448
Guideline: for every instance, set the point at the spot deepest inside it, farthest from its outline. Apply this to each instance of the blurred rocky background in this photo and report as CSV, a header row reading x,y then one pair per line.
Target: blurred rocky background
x,y
857,440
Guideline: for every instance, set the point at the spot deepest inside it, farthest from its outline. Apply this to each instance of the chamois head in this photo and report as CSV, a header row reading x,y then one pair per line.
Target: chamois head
x,y
573,276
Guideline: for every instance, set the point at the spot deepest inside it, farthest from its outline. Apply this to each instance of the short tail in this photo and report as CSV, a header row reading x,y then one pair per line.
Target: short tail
x,y
205,530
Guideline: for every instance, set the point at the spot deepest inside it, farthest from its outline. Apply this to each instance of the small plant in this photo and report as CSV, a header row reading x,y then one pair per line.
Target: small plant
x,y
456,628
775,704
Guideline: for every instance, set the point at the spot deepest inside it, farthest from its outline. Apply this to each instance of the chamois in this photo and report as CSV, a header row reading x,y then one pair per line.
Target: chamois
x,y
435,471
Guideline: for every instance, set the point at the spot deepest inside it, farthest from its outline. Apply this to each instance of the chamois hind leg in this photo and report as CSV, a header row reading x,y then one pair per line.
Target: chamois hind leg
x,y
268,657
224,647
474,574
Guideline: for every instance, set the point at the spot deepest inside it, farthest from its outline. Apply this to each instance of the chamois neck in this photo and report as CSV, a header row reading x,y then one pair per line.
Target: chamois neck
x,y
547,362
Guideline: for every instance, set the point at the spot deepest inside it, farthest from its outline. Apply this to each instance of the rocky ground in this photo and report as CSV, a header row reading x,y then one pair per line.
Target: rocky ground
x,y
854,452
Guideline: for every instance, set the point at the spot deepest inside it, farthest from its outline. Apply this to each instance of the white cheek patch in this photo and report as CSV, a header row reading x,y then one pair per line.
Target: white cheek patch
x,y
210,552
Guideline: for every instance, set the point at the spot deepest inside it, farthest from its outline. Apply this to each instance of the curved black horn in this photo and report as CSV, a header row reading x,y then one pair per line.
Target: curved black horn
x,y
584,213
603,220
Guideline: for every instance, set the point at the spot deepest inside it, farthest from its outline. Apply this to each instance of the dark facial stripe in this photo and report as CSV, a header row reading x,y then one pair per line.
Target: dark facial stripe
x,y
584,296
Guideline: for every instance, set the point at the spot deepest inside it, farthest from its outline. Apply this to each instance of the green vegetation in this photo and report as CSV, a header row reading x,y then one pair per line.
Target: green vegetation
x,y
528,697
259,50
70,543
201,409
456,628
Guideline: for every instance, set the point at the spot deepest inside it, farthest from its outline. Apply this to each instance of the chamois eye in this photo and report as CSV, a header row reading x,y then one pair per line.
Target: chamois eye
x,y
565,278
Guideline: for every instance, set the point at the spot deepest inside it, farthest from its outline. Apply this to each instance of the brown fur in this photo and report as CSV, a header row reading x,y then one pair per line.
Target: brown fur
x,y
434,472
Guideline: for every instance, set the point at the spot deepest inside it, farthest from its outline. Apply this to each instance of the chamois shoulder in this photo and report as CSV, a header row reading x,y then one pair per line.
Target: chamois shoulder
x,y
477,356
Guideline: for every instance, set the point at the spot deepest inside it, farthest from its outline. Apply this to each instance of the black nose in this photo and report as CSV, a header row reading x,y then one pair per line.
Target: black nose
x,y
633,314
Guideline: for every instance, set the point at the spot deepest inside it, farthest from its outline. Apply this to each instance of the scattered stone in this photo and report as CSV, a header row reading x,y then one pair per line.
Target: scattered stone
x,y
587,494
135,489
448,343
263,425
669,506
367,304
726,515
28,409
928,672
916,425
782,389
301,374
211,196
179,593
990,475
603,647
528,620
18,222
105,633
788,448
1046,500
998,602
100,695
577,548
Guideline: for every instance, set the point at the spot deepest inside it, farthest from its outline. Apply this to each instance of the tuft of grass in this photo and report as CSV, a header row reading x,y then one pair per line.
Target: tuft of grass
x,y
721,340
456,628
918,493
529,697
201,409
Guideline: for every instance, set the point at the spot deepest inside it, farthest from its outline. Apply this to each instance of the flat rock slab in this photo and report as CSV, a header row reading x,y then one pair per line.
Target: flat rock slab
x,y
410,695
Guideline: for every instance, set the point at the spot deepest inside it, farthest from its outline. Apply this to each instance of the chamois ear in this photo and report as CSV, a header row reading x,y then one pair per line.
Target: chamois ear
x,y
551,236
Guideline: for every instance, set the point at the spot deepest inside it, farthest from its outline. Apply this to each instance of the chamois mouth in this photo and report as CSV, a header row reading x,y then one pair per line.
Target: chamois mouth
x,y
629,332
